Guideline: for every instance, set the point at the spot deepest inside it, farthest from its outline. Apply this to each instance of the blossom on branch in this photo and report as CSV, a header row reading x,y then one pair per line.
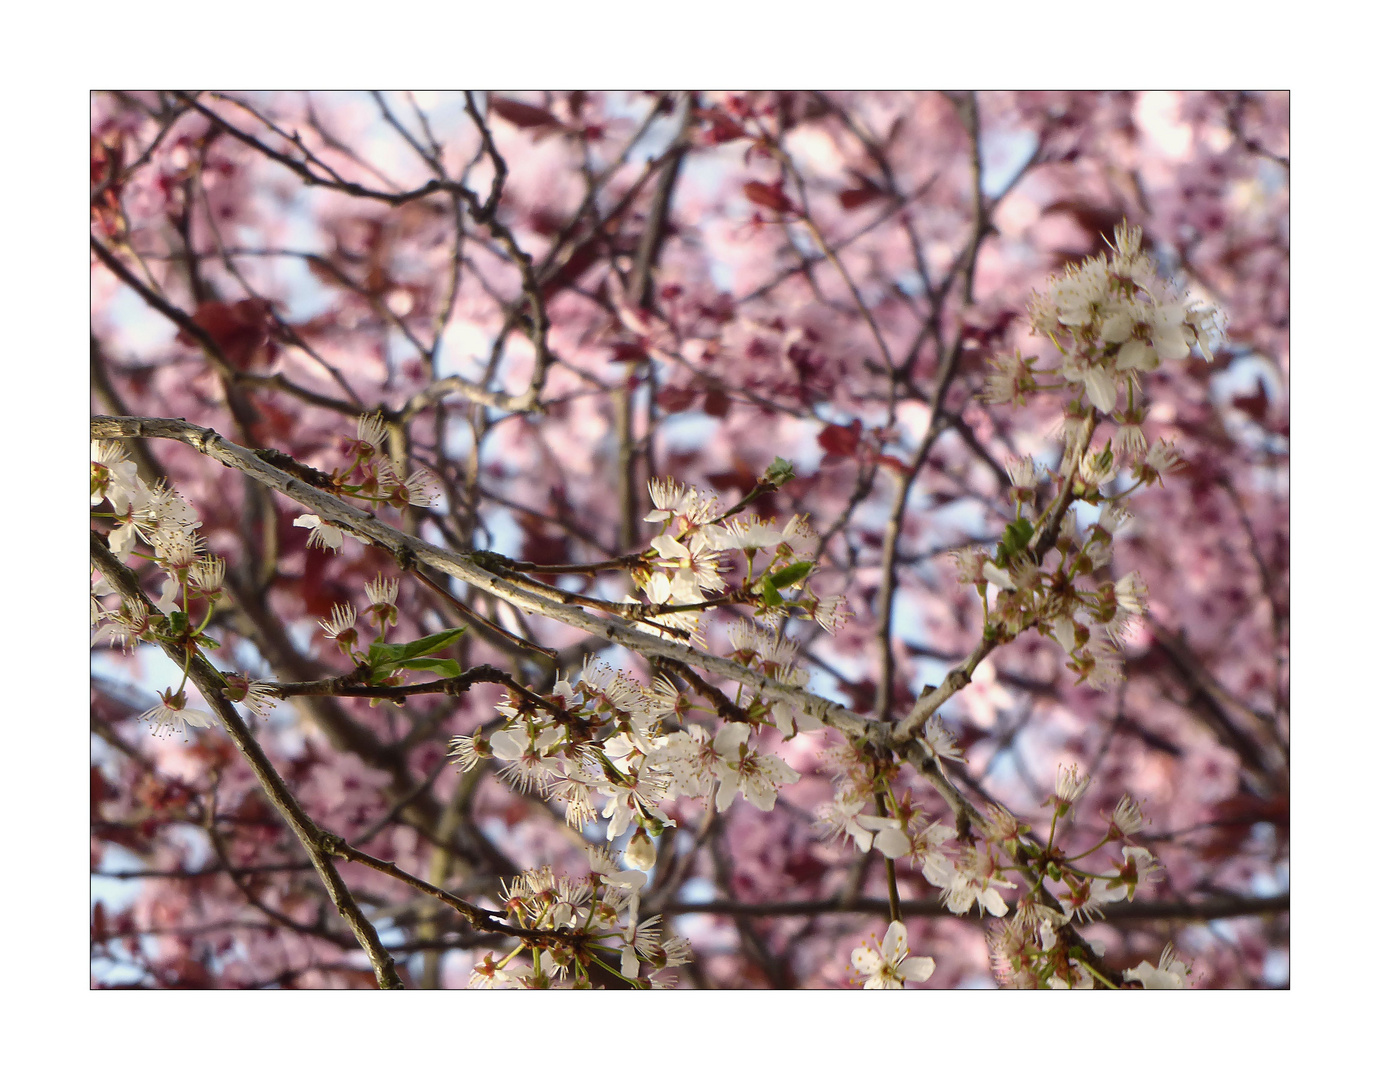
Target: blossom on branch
x,y
1170,973
888,965
741,768
173,713
323,533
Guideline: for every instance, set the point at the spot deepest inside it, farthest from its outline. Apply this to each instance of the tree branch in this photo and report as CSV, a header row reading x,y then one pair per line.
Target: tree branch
x,y
308,834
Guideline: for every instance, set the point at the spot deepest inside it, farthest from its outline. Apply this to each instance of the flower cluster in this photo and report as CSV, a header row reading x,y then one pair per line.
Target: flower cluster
x,y
590,920
1112,320
1034,948
154,513
605,745
1088,616
686,566
601,737
382,611
372,476
159,517
901,833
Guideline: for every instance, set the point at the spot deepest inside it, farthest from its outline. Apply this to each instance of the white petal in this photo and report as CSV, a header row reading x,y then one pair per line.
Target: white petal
x,y
762,796
508,744
997,576
197,717
893,843
1136,355
730,737
1101,389
916,968
167,599
867,962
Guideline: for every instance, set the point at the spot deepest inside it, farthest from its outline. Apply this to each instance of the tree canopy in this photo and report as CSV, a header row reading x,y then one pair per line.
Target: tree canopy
x,y
732,539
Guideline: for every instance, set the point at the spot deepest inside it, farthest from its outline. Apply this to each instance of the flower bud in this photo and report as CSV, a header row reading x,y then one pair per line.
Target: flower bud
x,y
641,852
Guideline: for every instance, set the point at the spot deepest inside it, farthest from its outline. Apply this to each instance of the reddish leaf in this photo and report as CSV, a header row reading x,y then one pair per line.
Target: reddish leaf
x,y
740,105
802,865
514,812
1257,405
717,403
581,259
982,334
319,586
1095,219
542,542
841,441
768,196
275,425
107,158
1249,809
722,127
862,694
240,329
863,193
630,352
520,114
674,399
852,198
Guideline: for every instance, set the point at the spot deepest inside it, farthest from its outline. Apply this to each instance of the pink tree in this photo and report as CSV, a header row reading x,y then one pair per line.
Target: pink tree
x,y
481,362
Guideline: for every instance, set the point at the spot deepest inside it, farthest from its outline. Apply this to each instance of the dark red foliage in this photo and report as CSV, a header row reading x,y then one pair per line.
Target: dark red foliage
x,y
788,279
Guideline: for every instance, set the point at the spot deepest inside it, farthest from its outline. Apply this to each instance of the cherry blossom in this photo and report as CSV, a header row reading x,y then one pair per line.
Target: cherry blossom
x,y
889,965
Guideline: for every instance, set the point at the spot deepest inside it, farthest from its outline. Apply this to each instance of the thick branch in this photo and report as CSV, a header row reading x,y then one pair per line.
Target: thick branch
x,y
464,567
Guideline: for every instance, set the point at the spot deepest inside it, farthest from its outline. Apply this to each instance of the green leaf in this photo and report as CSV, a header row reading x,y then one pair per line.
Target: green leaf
x,y
791,575
394,655
441,668
769,593
380,653
1016,537
384,658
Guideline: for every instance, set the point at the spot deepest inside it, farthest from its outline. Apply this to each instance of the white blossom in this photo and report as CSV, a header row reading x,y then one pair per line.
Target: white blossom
x,y
323,533
887,966
742,768
1169,974
173,713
